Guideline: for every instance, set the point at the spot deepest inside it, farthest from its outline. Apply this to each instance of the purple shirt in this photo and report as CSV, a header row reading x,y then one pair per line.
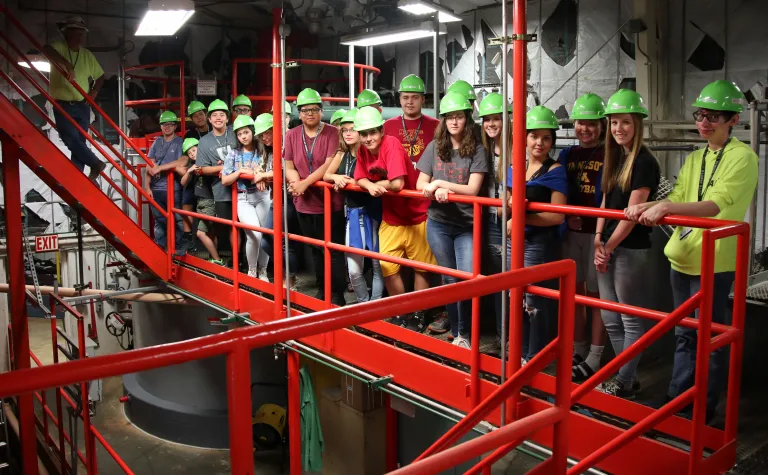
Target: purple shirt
x,y
311,202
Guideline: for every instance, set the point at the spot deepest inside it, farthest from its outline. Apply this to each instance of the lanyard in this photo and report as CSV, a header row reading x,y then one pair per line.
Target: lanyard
x,y
702,188
77,58
226,137
350,164
309,152
411,143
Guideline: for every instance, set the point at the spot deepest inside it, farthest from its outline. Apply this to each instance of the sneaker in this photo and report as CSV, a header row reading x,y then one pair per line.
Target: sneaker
x,y
523,362
218,262
338,300
581,372
417,322
440,324
576,359
293,283
262,274
462,342
95,172
399,321
320,295
252,272
450,337
616,388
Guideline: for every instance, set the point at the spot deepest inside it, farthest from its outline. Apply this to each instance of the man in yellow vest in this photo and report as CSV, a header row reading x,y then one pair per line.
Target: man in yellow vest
x,y
718,182
82,67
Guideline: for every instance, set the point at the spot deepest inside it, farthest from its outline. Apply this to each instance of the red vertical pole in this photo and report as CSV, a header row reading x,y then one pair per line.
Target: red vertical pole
x,y
235,251
361,84
277,165
327,252
391,435
235,62
59,408
294,413
240,410
90,446
566,310
474,378
140,198
517,236
18,297
165,93
737,347
183,100
170,223
702,351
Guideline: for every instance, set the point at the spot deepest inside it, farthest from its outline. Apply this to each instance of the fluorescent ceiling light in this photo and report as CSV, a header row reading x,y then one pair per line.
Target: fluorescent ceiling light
x,y
383,38
425,7
38,61
165,17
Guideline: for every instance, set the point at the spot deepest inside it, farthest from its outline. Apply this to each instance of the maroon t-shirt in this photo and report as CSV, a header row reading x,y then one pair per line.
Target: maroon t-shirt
x,y
392,163
311,202
413,144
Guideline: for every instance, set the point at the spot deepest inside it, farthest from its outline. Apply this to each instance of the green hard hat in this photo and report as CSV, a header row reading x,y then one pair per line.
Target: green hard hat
x,y
453,102
463,87
541,118
286,108
412,83
195,106
721,95
168,116
492,104
308,96
368,118
588,107
626,101
189,143
349,117
262,123
368,97
242,121
242,100
338,115
217,105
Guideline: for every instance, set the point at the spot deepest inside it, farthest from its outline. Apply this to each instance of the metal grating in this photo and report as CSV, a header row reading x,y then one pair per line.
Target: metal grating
x,y
758,292
753,464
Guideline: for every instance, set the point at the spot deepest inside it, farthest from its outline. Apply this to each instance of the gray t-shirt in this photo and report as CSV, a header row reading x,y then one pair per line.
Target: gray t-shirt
x,y
211,152
163,153
455,170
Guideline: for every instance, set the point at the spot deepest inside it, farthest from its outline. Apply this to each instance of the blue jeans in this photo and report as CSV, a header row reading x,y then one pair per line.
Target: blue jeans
x,y
80,153
293,227
161,196
492,256
684,369
540,316
452,247
625,281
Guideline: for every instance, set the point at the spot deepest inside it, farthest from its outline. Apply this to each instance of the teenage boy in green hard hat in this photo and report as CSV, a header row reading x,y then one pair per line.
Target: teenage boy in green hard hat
x,y
308,150
167,155
241,106
369,98
717,182
196,113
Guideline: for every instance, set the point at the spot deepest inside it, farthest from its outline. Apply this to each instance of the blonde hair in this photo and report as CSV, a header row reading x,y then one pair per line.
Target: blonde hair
x,y
490,146
614,173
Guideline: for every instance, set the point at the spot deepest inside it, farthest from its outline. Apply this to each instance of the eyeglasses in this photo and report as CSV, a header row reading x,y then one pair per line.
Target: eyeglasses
x,y
348,130
313,110
712,117
455,118
242,110
168,124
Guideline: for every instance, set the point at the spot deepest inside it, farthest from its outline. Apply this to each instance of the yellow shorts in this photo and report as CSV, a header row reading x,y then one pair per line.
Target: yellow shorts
x,y
409,242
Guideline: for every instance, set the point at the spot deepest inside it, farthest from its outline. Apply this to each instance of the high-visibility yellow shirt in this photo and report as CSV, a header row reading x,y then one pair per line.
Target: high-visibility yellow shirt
x,y
86,67
732,190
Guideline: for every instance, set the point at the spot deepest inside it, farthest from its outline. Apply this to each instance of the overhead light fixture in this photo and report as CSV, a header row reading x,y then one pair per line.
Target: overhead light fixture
x,y
390,36
165,17
425,7
38,61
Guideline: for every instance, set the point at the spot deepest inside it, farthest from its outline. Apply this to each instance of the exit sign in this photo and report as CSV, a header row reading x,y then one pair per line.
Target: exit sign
x,y
47,243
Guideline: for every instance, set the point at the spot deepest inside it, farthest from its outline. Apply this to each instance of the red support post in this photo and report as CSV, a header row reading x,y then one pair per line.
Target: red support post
x,y
240,410
18,298
90,446
737,347
564,360
517,236
235,63
235,251
59,408
294,413
326,250
474,377
360,83
704,336
183,100
170,223
391,435
277,167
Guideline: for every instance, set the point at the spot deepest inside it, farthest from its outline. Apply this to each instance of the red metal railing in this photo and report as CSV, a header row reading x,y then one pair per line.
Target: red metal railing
x,y
165,101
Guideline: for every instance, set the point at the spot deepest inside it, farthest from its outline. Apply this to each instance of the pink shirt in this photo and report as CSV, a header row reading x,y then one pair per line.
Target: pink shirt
x,y
311,202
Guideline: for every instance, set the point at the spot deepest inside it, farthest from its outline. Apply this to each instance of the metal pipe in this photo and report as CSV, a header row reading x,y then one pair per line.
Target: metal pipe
x,y
101,296
351,76
754,135
435,63
286,241
203,301
277,164
504,158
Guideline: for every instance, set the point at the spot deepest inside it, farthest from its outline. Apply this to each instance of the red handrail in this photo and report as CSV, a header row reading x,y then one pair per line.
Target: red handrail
x,y
164,101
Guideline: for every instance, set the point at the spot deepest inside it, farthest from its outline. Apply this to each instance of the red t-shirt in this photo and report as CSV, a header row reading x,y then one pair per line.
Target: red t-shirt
x,y
412,145
311,202
389,164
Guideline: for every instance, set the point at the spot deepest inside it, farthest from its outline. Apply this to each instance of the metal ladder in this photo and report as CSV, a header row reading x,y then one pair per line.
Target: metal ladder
x,y
5,459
